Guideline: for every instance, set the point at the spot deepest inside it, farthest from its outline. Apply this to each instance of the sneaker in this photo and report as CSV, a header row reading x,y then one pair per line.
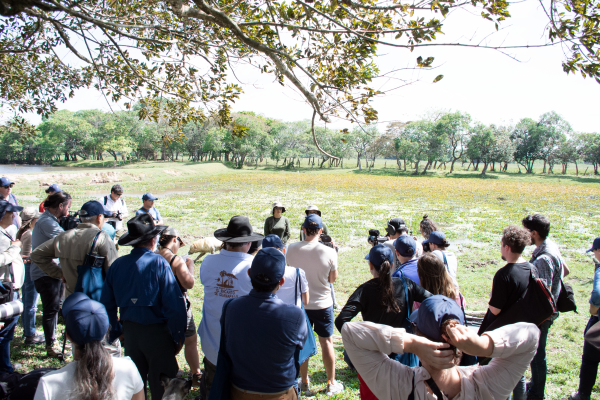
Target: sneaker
x,y
305,388
17,366
576,396
334,387
35,339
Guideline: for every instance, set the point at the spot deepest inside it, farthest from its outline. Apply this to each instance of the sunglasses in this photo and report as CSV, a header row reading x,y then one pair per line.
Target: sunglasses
x,y
8,186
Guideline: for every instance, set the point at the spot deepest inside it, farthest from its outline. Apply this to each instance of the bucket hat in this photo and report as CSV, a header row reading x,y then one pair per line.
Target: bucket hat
x,y
278,204
29,213
313,208
239,230
140,229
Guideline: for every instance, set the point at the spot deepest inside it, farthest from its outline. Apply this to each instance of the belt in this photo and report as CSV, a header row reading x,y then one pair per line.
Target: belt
x,y
261,393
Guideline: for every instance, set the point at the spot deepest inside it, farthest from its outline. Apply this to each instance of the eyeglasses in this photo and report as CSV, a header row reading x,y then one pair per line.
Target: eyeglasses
x,y
8,186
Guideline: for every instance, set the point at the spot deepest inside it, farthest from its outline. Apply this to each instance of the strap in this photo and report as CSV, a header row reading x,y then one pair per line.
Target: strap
x,y
445,261
435,389
297,286
8,236
94,243
461,299
12,274
172,258
105,199
408,306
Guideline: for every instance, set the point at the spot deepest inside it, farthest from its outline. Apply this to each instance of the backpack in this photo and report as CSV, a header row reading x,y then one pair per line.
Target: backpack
x,y
566,296
26,386
106,200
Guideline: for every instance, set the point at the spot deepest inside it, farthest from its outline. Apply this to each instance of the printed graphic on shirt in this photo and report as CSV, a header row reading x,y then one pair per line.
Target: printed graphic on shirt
x,y
226,285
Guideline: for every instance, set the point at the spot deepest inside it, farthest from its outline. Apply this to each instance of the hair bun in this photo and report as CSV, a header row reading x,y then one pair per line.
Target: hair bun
x,y
425,216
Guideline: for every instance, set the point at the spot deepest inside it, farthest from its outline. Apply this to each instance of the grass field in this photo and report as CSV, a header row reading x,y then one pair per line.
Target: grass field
x,y
200,198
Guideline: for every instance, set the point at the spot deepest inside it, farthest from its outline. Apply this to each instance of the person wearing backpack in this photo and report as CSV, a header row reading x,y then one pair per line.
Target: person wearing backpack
x,y
72,247
551,268
115,203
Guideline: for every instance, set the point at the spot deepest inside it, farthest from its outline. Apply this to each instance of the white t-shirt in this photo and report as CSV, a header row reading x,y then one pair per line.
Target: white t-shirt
x,y
115,206
287,292
57,384
452,263
317,261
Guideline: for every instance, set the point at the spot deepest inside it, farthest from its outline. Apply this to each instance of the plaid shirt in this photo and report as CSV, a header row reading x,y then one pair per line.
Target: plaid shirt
x,y
549,263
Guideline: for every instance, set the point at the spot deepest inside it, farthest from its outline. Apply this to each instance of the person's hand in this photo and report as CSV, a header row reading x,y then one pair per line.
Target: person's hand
x,y
189,262
430,353
468,341
64,279
16,243
114,214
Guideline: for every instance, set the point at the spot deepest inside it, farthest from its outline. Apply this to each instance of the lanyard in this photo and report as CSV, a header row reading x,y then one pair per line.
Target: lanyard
x,y
8,236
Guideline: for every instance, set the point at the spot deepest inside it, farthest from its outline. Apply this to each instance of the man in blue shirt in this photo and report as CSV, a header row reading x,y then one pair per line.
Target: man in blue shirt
x,y
148,208
152,309
262,333
406,250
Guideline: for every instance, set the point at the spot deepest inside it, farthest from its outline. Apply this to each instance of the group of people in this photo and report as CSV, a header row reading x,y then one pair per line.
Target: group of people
x,y
263,299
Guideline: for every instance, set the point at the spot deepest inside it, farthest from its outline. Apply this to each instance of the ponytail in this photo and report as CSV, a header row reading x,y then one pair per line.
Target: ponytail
x,y
427,226
94,373
24,228
388,300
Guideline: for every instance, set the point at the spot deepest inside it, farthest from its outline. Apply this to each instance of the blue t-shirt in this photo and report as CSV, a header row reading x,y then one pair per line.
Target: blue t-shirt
x,y
409,269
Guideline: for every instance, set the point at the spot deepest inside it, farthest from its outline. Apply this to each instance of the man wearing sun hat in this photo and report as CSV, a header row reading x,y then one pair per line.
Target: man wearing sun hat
x,y
224,276
72,246
148,208
152,311
262,333
54,188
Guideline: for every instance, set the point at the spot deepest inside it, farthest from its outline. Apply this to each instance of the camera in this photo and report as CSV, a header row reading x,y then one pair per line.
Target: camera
x,y
375,237
69,221
327,241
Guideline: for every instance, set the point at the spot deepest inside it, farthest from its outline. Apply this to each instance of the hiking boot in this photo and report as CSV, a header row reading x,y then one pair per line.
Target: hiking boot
x,y
35,339
334,387
52,353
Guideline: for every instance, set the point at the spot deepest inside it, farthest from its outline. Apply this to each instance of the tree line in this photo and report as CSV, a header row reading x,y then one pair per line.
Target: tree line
x,y
438,140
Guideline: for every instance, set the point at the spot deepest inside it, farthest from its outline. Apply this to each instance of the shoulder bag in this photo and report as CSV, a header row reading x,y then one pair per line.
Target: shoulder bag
x,y
566,296
310,346
90,275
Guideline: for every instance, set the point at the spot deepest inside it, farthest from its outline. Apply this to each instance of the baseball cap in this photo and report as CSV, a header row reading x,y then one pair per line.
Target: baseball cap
x,y
313,221
171,231
117,189
53,188
405,246
433,312
270,264
5,207
272,241
93,208
395,224
149,196
595,245
436,237
379,253
5,181
86,320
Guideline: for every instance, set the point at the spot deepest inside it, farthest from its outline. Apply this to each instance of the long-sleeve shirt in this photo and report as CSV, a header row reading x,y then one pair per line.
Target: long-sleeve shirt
x,y
262,334
10,254
595,297
46,228
366,300
142,286
70,248
368,344
278,226
549,263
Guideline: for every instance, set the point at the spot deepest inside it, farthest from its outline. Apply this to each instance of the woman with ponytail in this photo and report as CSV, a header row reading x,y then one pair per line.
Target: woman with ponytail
x,y
382,299
94,374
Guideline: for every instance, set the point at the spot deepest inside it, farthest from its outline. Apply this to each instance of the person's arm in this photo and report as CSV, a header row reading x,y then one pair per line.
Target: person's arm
x,y
418,293
333,276
304,287
159,220
110,303
11,253
351,309
173,305
184,271
107,250
43,256
305,298
595,297
286,233
124,212
267,229
566,270
501,288
138,396
368,345
333,266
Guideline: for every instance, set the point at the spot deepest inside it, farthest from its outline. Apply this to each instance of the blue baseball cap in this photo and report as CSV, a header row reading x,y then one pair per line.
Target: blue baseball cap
x,y
53,188
5,207
5,181
93,208
313,221
379,253
149,196
405,246
86,320
272,241
595,245
436,237
269,263
433,312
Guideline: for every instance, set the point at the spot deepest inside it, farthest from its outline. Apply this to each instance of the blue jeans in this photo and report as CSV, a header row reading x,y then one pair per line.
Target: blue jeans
x,y
539,368
519,390
30,300
589,365
7,333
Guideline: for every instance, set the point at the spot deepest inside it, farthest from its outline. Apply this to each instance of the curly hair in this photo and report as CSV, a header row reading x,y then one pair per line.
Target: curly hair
x,y
427,226
516,238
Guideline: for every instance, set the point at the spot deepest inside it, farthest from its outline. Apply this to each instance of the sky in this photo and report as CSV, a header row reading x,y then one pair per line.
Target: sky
x,y
492,87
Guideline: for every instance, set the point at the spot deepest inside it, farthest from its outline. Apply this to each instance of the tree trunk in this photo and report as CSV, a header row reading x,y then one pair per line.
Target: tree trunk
x,y
358,162
576,169
544,171
485,165
425,169
452,165
476,167
416,167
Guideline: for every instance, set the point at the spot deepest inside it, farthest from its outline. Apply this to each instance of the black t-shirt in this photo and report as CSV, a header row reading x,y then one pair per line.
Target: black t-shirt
x,y
366,300
510,285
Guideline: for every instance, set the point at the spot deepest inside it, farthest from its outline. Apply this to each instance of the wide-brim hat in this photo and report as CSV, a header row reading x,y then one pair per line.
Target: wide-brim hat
x,y
239,230
29,213
313,208
140,229
278,204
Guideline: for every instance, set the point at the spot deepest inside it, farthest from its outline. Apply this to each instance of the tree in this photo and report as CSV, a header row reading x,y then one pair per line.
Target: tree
x,y
481,145
553,130
591,153
455,126
528,144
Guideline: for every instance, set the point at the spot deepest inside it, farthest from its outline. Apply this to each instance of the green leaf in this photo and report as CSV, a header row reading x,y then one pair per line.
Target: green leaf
x,y
438,78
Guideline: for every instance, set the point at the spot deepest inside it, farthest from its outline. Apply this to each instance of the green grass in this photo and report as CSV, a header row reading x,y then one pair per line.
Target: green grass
x,y
200,198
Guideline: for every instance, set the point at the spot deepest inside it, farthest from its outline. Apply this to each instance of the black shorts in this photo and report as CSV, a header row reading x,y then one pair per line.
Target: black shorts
x,y
322,321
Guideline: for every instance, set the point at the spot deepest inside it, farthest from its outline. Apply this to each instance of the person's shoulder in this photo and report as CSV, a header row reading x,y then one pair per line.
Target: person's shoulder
x,y
139,211
123,364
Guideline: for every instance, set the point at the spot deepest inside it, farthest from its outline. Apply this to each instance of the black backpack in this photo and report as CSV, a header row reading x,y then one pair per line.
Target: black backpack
x,y
27,385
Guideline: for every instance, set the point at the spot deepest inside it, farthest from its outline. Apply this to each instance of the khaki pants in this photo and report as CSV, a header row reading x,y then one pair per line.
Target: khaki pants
x,y
238,394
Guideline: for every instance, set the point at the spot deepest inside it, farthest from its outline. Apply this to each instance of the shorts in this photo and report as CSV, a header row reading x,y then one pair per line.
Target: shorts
x,y
190,329
322,321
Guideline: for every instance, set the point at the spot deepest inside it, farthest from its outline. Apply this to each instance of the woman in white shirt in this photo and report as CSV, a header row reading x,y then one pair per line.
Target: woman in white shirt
x,y
438,245
93,374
